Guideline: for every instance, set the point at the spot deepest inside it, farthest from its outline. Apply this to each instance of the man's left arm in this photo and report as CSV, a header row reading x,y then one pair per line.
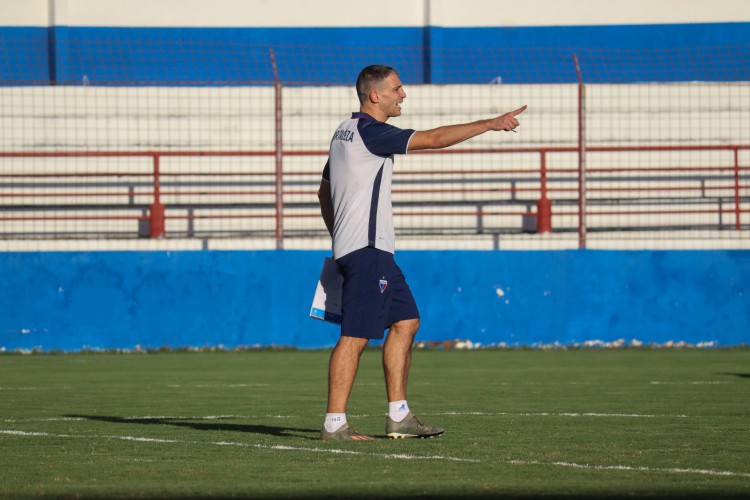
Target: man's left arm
x,y
326,204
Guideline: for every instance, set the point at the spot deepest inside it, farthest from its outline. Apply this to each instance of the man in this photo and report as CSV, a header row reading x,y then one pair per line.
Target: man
x,y
355,202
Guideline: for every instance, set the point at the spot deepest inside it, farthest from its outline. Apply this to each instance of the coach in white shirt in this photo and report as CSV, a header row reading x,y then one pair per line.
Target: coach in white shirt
x,y
355,202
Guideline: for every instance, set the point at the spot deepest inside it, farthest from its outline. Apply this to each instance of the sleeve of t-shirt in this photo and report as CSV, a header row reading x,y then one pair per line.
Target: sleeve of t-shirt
x,y
382,139
327,171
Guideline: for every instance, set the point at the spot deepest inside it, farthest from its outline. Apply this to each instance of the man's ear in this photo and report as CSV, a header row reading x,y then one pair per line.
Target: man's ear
x,y
374,98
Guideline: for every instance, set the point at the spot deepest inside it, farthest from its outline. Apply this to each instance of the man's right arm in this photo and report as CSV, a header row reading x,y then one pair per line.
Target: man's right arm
x,y
443,137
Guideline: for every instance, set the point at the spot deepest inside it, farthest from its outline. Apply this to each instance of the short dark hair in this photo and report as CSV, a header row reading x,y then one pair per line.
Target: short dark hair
x,y
369,78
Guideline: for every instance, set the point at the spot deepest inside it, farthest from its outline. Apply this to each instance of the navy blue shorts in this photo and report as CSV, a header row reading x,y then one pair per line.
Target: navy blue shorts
x,y
375,294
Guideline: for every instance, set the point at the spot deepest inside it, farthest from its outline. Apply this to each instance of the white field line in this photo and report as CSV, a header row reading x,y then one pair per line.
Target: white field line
x,y
592,414
446,413
51,419
148,417
542,383
397,456
382,384
705,472
206,417
698,382
167,417
194,386
334,451
541,414
33,388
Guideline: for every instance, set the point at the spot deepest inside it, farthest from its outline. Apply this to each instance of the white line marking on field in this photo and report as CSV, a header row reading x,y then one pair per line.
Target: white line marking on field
x,y
206,417
541,414
542,383
399,456
698,382
193,386
146,417
52,419
167,417
445,413
334,451
32,388
382,384
705,472
24,433
590,414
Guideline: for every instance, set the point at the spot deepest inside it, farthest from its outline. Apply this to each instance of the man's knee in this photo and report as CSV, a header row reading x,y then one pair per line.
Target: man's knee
x,y
406,326
351,344
414,325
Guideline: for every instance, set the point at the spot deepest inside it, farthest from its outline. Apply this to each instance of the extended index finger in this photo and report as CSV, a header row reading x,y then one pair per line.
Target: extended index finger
x,y
519,110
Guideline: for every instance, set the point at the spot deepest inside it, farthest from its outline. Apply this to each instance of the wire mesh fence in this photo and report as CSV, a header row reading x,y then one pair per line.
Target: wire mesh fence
x,y
608,155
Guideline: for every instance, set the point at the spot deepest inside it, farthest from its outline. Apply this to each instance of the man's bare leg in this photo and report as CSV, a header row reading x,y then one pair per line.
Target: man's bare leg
x,y
397,357
342,369
401,423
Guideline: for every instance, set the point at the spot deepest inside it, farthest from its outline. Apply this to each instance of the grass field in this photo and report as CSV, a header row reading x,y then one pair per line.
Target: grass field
x,y
519,423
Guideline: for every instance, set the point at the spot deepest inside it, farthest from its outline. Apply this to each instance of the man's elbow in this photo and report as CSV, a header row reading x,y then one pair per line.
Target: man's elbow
x,y
433,143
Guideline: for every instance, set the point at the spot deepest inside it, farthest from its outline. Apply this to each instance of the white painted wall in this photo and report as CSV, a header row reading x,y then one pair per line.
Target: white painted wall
x,y
24,12
350,13
474,13
211,13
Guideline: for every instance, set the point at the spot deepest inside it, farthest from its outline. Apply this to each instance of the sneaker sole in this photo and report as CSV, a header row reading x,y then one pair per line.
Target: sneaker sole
x,y
359,437
397,435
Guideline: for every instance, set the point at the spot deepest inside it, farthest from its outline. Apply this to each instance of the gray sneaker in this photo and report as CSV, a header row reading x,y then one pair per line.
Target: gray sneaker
x,y
345,433
410,427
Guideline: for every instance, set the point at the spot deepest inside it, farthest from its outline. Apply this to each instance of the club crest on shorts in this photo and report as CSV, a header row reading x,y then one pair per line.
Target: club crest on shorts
x,y
383,285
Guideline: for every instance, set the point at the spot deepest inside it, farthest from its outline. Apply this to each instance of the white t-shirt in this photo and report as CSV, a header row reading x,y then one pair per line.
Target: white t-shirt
x,y
360,169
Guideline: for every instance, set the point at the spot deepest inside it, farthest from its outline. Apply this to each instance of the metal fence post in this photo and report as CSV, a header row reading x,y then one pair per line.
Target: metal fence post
x,y
158,227
581,156
544,204
279,153
737,211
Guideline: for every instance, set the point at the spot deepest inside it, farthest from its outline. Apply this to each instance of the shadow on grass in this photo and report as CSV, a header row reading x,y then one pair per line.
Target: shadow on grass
x,y
740,375
207,426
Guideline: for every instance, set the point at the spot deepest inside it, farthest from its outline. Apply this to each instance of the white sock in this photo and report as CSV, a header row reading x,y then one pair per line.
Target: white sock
x,y
334,421
398,410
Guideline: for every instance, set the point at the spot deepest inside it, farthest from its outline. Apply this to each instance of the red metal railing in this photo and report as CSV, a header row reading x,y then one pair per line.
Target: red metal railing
x,y
551,201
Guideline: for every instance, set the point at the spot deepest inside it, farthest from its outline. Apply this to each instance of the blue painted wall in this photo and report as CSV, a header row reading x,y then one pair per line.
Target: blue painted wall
x,y
607,54
24,55
73,300
220,56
